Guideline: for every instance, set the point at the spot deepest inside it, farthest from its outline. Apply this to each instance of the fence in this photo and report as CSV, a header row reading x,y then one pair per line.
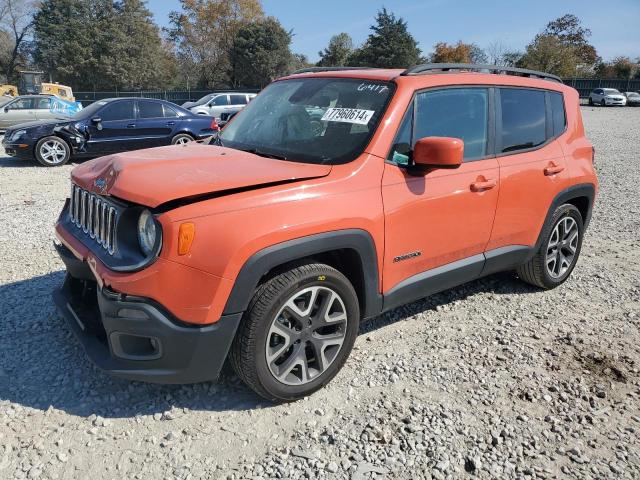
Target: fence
x,y
583,85
175,96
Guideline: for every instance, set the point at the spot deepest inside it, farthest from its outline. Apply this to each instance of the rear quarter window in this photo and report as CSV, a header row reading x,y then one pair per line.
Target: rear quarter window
x,y
557,113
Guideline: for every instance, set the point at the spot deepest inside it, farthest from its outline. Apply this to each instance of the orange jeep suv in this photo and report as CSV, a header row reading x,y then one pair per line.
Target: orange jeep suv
x,y
335,195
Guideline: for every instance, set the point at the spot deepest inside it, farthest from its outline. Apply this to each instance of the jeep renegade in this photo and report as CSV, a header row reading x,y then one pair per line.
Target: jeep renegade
x,y
334,196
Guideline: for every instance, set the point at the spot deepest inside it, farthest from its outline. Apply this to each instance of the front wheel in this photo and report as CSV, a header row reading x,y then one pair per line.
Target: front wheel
x,y
591,101
52,151
559,250
181,139
603,103
297,332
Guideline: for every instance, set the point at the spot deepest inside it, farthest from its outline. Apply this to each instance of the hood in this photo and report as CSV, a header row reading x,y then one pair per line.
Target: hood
x,y
188,104
155,176
49,122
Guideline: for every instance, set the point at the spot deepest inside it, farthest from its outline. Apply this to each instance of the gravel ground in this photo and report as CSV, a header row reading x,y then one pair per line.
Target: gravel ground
x,y
490,380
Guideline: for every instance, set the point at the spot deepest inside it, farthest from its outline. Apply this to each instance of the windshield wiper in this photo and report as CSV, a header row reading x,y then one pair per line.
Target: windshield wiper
x,y
255,151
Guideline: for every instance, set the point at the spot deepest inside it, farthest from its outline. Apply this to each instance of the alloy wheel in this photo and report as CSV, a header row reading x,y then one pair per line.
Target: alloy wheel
x,y
53,152
306,335
183,140
562,247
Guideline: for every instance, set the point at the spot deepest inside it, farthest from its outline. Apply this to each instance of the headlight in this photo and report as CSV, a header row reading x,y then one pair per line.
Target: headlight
x,y
17,134
147,232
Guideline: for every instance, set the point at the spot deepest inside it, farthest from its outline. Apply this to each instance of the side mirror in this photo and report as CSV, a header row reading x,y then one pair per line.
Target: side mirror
x,y
97,121
431,153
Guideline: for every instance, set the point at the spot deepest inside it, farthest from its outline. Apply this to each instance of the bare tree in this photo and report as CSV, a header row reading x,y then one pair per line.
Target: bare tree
x,y
495,51
16,21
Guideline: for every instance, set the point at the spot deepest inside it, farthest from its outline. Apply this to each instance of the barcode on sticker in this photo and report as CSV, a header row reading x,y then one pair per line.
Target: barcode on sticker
x,y
348,115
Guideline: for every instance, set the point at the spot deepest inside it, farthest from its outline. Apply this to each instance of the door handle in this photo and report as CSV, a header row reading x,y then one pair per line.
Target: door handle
x,y
171,123
131,125
482,185
553,169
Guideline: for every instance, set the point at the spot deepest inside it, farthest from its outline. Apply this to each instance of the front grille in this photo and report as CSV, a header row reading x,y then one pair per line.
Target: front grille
x,y
94,216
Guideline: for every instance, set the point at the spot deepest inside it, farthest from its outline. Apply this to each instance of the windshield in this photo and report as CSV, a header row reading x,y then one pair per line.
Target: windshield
x,y
312,120
89,111
203,100
611,91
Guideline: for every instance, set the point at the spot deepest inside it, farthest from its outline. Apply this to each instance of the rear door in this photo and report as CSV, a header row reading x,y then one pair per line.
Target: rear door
x,y
118,132
444,217
532,164
17,111
152,127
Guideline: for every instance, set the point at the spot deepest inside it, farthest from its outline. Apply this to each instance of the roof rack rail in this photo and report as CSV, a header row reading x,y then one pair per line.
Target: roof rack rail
x,y
447,67
328,69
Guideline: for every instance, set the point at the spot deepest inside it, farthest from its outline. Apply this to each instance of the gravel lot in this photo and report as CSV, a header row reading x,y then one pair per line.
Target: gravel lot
x,y
491,380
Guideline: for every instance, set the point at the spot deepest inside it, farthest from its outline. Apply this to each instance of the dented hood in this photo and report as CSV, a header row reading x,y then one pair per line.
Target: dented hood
x,y
158,175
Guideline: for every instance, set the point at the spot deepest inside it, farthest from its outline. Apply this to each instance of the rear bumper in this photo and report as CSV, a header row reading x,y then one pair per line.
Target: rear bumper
x,y
136,338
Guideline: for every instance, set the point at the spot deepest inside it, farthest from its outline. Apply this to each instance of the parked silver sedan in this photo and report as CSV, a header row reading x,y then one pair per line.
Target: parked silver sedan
x,y
27,108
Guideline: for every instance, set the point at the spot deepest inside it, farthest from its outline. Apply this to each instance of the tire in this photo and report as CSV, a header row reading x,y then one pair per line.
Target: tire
x,y
181,139
591,101
603,103
52,151
308,288
542,270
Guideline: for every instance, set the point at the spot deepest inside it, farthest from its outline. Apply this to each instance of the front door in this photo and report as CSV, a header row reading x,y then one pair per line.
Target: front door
x,y
116,131
437,224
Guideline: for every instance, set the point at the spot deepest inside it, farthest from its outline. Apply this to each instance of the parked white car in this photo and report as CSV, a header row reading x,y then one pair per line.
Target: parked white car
x,y
199,102
606,97
223,103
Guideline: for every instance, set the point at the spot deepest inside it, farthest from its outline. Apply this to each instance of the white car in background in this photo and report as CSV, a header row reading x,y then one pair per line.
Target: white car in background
x,y
606,97
223,104
633,99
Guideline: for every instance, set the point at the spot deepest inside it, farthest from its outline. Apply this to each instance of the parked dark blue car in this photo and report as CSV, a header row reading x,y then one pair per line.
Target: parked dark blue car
x,y
104,127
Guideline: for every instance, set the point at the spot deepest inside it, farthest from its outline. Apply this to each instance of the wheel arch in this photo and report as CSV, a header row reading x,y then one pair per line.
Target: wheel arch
x,y
580,196
352,252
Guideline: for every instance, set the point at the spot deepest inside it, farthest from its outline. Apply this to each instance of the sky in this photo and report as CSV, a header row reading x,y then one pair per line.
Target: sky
x,y
615,29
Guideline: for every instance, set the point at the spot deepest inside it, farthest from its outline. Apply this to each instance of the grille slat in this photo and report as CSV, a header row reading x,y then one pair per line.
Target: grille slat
x,y
94,216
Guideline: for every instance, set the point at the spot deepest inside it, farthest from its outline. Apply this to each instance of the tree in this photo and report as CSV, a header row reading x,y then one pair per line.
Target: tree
x,y
570,32
15,25
260,53
389,46
204,32
547,53
337,52
299,61
623,67
100,44
458,53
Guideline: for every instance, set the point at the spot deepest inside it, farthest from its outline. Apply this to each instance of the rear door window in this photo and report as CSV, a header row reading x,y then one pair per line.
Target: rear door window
x,y
147,109
523,119
238,99
122,110
169,112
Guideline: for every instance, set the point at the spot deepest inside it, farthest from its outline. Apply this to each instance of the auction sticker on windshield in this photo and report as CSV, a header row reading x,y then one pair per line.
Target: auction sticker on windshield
x,y
348,115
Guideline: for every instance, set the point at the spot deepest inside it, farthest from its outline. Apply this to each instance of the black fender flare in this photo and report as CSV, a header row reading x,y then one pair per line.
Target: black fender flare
x,y
565,196
260,263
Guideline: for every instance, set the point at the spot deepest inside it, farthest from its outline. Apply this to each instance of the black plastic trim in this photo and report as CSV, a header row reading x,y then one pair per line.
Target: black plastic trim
x,y
576,191
430,68
183,354
506,258
265,260
434,281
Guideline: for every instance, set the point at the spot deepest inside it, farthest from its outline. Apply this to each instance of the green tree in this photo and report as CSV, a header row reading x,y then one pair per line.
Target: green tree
x,y
570,32
260,53
100,44
547,53
337,52
389,46
204,32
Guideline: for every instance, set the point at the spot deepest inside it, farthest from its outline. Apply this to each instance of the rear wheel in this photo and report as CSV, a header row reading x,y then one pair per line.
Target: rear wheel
x,y
181,139
559,250
52,151
297,332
